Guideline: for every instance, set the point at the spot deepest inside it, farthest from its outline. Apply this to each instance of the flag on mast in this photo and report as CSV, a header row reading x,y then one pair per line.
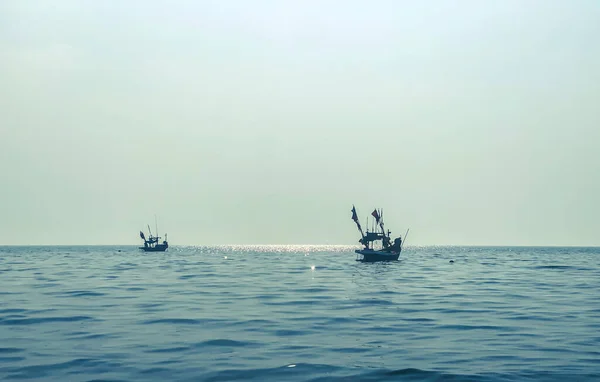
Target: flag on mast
x,y
376,215
355,218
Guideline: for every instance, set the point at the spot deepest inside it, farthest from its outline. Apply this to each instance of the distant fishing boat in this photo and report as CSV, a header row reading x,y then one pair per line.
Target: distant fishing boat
x,y
371,252
152,243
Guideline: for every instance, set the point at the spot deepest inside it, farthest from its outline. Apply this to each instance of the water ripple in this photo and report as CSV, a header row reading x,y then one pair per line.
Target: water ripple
x,y
42,320
304,313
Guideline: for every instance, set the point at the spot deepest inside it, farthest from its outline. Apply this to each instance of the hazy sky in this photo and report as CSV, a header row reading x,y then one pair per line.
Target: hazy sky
x,y
262,122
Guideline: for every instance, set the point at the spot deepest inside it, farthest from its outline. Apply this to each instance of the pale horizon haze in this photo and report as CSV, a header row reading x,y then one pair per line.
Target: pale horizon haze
x,y
263,122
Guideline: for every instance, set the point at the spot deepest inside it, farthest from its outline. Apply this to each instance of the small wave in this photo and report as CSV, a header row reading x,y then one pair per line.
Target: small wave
x,y
14,316
12,359
350,350
187,277
156,370
285,333
150,305
554,267
329,373
224,343
8,311
375,301
419,319
268,296
342,320
478,327
46,285
293,302
295,347
176,349
36,371
252,323
413,374
43,320
312,290
10,350
127,265
186,321
82,293
91,336
383,329
299,371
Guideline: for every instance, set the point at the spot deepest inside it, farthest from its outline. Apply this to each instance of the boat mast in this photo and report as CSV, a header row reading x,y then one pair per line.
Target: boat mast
x,y
156,225
355,218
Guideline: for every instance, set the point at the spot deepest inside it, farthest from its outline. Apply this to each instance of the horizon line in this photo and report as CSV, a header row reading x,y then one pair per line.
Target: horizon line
x,y
310,245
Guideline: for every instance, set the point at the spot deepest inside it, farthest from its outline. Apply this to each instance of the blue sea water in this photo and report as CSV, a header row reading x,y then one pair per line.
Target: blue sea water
x,y
299,313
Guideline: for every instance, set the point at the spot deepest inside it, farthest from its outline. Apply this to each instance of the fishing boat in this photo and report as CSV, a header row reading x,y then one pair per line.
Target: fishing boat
x,y
152,243
381,252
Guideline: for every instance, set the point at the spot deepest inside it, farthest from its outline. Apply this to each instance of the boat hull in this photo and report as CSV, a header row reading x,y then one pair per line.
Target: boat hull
x,y
156,248
369,255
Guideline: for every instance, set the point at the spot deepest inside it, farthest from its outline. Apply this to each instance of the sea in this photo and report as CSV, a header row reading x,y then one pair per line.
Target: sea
x,y
299,313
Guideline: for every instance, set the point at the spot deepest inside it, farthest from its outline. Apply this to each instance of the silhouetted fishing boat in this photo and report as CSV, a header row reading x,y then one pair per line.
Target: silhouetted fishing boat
x,y
152,243
387,250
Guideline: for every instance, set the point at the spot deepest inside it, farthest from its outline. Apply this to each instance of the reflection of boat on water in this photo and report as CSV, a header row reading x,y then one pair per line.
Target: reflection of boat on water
x,y
152,243
387,250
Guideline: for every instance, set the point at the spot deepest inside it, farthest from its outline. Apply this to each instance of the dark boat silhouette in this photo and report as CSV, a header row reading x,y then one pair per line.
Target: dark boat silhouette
x,y
384,252
152,243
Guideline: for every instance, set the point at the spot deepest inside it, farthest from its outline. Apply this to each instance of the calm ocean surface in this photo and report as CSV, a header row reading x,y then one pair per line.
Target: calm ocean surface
x,y
299,313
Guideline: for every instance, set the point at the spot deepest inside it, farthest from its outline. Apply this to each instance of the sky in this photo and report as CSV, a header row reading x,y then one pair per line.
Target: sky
x,y
263,122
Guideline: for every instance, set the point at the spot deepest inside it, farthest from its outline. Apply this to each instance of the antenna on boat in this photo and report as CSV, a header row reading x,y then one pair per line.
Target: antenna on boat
x,y
404,241
156,225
